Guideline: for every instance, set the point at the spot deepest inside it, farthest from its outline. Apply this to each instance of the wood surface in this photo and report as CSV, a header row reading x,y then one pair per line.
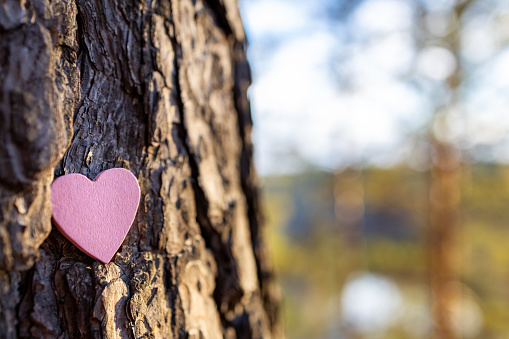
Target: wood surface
x,y
159,88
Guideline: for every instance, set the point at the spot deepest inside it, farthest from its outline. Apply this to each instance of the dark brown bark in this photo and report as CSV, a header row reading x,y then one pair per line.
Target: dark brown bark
x,y
158,88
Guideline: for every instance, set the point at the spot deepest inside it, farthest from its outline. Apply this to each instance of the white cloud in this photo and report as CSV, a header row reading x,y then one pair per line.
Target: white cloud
x,y
298,107
383,16
436,63
269,17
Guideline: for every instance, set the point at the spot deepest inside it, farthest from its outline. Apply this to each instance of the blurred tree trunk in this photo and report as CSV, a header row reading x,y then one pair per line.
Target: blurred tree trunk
x,y
445,192
159,88
445,199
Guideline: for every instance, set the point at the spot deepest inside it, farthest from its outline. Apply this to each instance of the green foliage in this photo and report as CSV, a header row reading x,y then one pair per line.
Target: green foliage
x,y
315,259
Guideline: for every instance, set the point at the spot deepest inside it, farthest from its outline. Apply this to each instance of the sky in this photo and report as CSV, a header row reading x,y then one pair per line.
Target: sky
x,y
332,93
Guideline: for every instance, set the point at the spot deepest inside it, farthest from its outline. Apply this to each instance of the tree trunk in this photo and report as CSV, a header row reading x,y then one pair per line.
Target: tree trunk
x,y
159,88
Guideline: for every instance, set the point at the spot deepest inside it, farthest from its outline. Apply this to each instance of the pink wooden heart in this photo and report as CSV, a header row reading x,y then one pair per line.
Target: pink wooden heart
x,y
96,215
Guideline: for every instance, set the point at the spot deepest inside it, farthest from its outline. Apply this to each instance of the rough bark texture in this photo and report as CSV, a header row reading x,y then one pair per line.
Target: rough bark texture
x,y
159,88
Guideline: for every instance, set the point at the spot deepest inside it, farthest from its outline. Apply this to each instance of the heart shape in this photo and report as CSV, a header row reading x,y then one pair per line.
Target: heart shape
x,y
96,215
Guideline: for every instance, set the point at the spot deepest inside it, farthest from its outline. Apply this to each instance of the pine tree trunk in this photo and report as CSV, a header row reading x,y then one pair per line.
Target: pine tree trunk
x,y
159,88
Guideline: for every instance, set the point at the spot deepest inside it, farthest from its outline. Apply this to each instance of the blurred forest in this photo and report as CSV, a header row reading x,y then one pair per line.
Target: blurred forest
x,y
346,237
386,180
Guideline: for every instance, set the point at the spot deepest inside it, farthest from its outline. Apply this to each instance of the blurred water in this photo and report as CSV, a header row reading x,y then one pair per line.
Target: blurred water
x,y
370,302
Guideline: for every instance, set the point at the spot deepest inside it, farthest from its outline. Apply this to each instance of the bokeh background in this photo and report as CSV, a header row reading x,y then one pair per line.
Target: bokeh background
x,y
381,130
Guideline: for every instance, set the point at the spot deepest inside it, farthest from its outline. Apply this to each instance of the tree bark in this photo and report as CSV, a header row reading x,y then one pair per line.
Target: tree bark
x,y
159,88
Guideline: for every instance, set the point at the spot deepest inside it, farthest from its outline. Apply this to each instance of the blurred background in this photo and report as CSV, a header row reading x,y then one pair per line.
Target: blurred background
x,y
381,130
